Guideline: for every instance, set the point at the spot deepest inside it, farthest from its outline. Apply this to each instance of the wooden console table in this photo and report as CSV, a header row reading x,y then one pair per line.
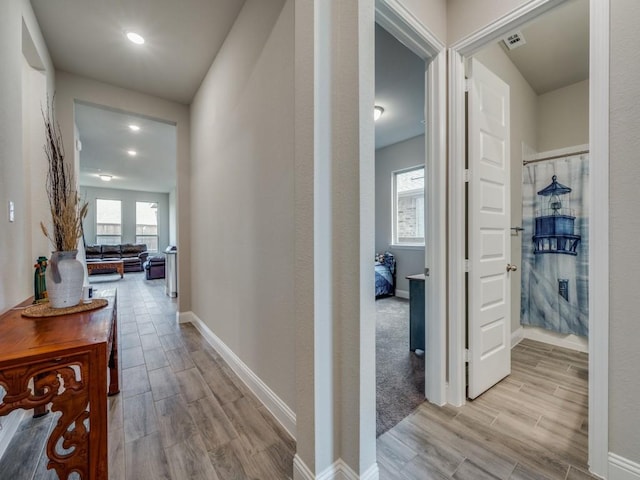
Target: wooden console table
x,y
106,265
64,361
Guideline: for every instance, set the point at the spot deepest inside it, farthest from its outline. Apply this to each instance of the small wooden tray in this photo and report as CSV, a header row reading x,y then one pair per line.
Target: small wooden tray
x,y
45,310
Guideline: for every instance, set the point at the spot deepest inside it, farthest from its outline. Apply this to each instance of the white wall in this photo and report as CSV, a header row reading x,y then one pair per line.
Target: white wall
x,y
563,117
401,155
624,228
467,16
16,254
242,186
432,13
524,123
70,88
34,96
313,385
20,158
128,199
172,217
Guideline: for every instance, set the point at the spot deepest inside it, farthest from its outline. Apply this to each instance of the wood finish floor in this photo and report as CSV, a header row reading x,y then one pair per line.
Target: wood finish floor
x,y
183,414
532,425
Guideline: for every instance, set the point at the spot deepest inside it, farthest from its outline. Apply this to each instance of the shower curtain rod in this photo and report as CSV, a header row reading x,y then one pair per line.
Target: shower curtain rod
x,y
553,157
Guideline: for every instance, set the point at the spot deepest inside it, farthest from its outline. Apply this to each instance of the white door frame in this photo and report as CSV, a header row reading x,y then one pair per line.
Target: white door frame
x,y
404,26
599,221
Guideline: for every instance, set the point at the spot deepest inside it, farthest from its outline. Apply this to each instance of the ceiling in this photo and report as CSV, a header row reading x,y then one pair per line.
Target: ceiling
x,y
87,37
556,53
399,90
106,137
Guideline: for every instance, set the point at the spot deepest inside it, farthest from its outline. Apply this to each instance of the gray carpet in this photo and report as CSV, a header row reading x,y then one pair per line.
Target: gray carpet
x,y
399,371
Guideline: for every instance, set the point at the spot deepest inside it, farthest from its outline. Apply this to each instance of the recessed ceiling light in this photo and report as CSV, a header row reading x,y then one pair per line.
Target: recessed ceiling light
x,y
135,38
134,127
105,178
377,112
132,153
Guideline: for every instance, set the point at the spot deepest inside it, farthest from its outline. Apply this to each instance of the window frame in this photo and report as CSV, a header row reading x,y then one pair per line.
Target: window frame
x,y
98,235
394,210
157,236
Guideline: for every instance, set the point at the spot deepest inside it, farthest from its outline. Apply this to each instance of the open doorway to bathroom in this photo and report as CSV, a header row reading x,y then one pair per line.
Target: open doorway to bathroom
x,y
527,201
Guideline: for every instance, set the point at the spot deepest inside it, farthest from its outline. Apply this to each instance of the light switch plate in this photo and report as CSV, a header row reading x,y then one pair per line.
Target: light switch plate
x,y
12,213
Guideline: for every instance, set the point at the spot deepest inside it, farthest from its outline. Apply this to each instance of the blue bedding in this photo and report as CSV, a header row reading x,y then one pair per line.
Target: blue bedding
x,y
385,268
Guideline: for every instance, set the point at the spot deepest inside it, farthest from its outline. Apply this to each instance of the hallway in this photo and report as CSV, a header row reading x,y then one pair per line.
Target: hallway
x,y
181,413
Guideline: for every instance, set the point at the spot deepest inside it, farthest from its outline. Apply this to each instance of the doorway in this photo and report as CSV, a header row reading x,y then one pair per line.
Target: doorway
x,y
400,229
127,176
461,53
406,29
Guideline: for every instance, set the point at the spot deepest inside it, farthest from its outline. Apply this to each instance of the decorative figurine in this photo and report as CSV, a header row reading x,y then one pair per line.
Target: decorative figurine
x,y
39,283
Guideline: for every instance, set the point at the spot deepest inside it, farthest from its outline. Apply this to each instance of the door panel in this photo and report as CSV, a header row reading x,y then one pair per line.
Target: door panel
x,y
489,220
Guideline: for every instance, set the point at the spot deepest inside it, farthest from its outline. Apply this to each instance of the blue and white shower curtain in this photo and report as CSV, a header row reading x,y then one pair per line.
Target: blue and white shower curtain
x,y
554,276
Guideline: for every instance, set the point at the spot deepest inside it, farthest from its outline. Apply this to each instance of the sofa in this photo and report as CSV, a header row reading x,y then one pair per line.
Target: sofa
x,y
132,255
154,267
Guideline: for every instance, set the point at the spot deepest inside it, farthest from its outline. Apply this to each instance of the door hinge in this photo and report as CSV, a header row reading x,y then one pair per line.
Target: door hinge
x,y
426,272
466,355
467,265
467,84
466,175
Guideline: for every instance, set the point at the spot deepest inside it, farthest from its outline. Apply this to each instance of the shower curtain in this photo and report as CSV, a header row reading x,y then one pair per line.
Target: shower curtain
x,y
555,245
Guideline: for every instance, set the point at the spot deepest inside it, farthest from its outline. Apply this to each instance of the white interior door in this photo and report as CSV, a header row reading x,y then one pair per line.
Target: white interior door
x,y
489,325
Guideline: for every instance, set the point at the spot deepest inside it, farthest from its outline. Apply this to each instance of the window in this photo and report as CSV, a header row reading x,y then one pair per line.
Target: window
x,y
408,207
108,222
147,224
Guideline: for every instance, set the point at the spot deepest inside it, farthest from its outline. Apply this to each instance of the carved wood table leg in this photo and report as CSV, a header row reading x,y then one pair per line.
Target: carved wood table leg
x,y
114,364
98,415
76,386
73,403
38,390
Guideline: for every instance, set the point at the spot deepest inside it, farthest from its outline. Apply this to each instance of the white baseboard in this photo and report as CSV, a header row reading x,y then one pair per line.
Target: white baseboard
x,y
269,399
185,317
10,425
622,469
372,473
517,336
574,342
300,469
402,294
339,470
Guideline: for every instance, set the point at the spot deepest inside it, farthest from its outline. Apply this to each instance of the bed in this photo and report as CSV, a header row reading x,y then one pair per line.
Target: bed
x,y
385,268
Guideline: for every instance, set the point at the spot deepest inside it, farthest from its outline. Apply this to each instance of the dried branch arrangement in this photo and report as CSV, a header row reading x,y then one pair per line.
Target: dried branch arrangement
x,y
67,211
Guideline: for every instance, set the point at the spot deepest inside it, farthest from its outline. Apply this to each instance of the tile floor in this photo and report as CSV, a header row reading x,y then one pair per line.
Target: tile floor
x,y
181,414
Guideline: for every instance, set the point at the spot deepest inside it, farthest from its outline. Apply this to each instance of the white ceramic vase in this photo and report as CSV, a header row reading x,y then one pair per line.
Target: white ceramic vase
x,y
64,276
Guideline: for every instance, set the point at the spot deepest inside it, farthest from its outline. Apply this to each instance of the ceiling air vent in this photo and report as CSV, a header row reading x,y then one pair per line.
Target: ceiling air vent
x,y
514,40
